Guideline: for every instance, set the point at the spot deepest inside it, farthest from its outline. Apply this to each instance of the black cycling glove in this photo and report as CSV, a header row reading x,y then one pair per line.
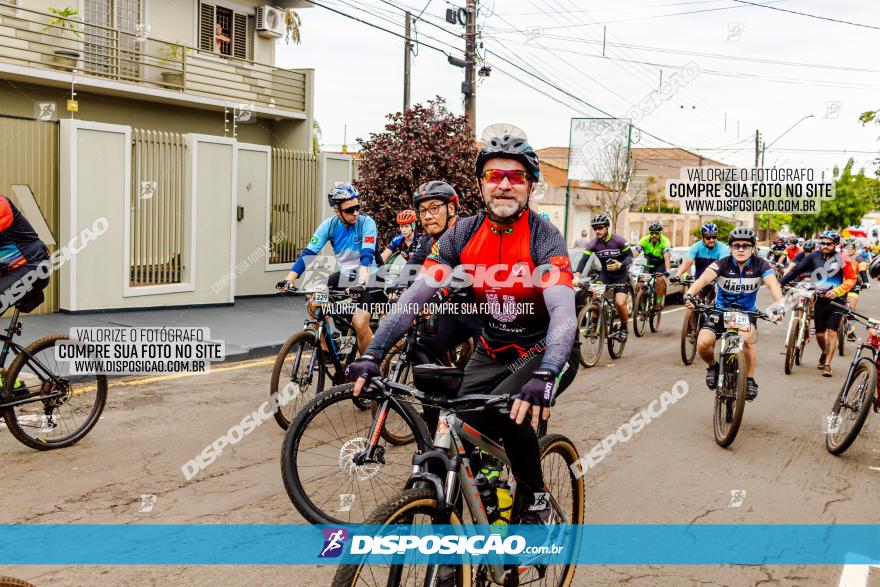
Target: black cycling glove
x,y
538,391
366,367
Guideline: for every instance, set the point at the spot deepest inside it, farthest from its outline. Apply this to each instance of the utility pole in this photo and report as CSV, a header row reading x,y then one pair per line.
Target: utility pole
x,y
755,221
469,87
407,53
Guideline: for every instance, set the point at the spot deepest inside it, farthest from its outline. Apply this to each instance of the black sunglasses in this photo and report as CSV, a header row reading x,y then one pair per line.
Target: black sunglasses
x,y
710,237
351,209
826,244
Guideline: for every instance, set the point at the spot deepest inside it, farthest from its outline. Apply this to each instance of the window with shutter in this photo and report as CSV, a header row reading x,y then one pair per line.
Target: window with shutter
x,y
240,37
206,27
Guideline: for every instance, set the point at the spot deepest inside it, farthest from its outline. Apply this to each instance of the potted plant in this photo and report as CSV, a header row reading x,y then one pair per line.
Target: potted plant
x,y
65,56
172,55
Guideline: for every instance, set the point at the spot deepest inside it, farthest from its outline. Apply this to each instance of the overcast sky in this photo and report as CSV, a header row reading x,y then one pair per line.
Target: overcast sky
x,y
359,71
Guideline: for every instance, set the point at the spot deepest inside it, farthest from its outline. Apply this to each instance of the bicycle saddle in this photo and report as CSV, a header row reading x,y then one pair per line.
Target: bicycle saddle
x,y
438,379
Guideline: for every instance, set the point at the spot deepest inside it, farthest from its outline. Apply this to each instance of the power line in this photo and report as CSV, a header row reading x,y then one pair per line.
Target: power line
x,y
858,24
695,53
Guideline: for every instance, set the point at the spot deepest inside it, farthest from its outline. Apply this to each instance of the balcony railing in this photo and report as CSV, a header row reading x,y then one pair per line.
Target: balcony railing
x,y
26,38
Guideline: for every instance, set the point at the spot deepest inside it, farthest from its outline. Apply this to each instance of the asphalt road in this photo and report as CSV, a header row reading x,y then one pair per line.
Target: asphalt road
x,y
672,472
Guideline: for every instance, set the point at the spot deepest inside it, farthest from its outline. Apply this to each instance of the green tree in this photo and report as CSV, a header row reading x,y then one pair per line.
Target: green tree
x,y
724,228
773,221
425,143
855,195
871,116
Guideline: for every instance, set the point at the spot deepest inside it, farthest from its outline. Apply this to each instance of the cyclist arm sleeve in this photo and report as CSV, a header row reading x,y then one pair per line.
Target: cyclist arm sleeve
x,y
319,239
627,257
802,267
582,263
559,300
400,317
849,279
369,242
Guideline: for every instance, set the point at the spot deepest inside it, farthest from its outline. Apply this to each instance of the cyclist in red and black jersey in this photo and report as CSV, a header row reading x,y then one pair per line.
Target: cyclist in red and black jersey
x,y
22,252
527,344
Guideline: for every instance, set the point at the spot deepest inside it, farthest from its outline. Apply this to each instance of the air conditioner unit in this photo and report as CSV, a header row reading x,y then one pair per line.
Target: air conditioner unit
x,y
270,22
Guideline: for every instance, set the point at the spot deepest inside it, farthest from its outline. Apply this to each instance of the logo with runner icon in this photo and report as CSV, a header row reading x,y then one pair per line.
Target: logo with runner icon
x,y
334,542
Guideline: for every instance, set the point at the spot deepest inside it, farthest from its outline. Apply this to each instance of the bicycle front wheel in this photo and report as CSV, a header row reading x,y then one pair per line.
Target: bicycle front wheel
x,y
841,336
322,473
292,376
730,401
640,313
791,345
851,409
614,324
590,325
689,337
63,410
412,506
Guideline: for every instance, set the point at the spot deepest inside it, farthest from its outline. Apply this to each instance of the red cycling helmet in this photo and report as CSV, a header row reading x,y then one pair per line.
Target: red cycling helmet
x,y
407,217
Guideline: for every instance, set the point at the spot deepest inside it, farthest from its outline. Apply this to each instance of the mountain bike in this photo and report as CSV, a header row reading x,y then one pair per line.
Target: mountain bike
x,y
730,393
859,392
444,470
644,312
338,464
303,363
44,406
693,321
598,322
798,334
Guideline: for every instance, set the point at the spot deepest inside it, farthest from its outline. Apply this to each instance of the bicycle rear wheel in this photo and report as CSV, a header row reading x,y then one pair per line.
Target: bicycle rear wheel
x,y
590,325
291,375
654,318
730,402
55,422
318,459
689,337
851,409
412,506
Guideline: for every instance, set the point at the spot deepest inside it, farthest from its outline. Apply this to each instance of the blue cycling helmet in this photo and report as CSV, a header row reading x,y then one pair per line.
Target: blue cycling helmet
x,y
341,193
832,235
544,215
709,228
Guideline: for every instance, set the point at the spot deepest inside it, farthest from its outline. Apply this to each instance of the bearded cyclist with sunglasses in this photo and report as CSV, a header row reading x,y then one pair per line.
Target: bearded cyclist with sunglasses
x,y
527,295
353,238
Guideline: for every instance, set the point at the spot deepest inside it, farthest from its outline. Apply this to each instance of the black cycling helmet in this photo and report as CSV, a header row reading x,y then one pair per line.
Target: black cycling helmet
x,y
832,235
655,227
509,147
601,219
341,193
793,240
435,190
742,233
874,267
809,246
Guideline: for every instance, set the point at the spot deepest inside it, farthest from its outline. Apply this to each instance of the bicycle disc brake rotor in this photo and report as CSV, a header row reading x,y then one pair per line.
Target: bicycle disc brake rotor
x,y
347,453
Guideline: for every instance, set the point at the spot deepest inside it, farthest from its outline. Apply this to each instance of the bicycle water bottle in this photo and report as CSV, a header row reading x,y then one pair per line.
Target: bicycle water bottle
x,y
505,505
487,496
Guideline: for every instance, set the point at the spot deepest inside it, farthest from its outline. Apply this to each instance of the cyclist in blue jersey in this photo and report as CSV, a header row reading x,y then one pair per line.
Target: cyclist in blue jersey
x,y
407,241
353,238
702,253
738,278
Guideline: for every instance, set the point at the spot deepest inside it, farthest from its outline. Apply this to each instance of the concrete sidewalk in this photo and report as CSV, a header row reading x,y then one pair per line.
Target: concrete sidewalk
x,y
252,327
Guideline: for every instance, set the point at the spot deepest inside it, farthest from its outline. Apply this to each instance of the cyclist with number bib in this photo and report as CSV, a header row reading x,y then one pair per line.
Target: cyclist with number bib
x,y
833,277
655,248
738,278
527,344
702,254
615,257
353,238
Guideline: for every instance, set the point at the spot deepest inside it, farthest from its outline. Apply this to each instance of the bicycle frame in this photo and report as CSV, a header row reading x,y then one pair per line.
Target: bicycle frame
x,y
10,345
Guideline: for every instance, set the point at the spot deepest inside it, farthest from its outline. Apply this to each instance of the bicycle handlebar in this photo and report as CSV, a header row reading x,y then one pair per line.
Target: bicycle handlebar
x,y
484,401
712,308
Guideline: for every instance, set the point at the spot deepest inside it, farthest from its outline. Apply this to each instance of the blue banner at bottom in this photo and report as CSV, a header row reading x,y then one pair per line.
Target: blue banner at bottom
x,y
771,544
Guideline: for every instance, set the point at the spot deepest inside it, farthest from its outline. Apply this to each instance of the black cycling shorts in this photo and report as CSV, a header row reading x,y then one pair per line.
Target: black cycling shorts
x,y
715,322
617,278
825,316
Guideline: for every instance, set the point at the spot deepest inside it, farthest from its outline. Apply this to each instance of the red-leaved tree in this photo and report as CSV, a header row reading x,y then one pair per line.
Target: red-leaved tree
x,y
425,143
